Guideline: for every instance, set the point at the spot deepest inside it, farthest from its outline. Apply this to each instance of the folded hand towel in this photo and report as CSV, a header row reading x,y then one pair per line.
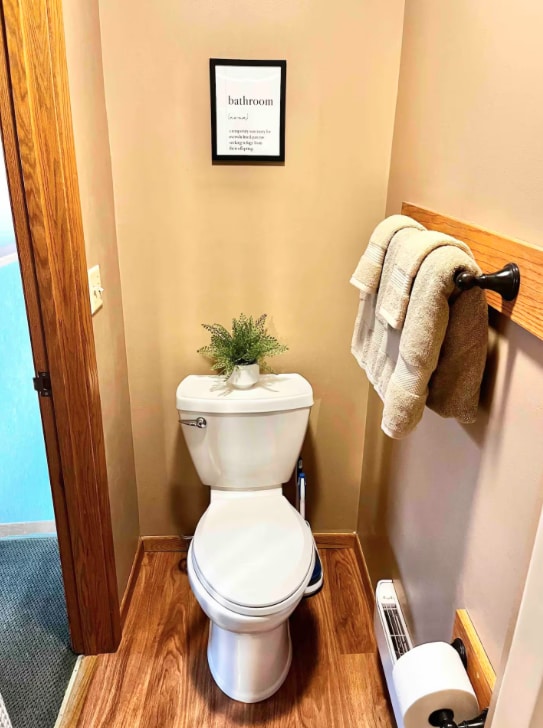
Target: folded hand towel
x,y
437,354
409,257
368,273
455,385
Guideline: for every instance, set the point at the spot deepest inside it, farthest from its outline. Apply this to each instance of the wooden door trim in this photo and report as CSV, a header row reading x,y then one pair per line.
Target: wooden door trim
x,y
39,350
43,183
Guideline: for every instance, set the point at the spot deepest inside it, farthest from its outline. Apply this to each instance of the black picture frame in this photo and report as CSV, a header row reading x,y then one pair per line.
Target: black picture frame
x,y
247,158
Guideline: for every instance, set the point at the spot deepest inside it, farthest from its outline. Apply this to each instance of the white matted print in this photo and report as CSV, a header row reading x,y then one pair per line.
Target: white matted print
x,y
248,110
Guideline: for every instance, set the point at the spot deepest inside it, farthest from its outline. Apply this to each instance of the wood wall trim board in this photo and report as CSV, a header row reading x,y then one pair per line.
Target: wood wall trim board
x,y
39,94
492,251
165,543
480,671
131,583
178,543
335,540
364,572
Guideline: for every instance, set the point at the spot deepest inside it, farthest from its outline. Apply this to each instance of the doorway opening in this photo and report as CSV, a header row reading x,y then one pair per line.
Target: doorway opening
x,y
36,660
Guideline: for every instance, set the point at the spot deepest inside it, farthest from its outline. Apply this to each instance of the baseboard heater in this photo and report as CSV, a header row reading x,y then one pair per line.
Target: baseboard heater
x,y
392,635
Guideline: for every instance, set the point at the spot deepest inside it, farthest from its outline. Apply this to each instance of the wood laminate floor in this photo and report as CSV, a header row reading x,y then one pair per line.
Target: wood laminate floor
x,y
159,677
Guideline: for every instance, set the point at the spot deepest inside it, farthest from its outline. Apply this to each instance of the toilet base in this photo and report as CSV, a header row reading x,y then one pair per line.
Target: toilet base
x,y
249,667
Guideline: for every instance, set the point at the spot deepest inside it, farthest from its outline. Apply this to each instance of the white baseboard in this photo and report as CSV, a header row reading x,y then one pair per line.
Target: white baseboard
x,y
8,256
27,529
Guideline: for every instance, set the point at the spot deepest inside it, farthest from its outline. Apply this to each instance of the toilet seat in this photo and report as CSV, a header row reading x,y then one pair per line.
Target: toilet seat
x,y
253,555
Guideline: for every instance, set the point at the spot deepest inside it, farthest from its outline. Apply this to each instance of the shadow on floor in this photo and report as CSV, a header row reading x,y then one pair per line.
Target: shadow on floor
x,y
305,644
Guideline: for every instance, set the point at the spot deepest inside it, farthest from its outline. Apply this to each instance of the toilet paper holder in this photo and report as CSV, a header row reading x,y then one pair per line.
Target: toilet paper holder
x,y
445,718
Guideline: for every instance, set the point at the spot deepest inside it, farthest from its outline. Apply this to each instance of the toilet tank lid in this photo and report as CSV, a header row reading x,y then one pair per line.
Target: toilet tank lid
x,y
272,393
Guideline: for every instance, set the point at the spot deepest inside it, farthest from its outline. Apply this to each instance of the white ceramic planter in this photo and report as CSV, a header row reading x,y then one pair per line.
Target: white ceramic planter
x,y
244,376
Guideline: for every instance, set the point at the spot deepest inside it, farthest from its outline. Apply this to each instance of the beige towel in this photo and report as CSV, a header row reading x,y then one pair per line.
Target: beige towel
x,y
443,347
408,259
438,354
368,272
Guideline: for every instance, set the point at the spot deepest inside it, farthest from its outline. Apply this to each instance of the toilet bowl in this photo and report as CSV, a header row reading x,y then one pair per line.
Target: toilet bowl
x,y
252,554
249,648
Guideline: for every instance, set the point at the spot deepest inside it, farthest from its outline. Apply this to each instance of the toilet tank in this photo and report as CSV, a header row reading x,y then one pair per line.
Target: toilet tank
x,y
252,437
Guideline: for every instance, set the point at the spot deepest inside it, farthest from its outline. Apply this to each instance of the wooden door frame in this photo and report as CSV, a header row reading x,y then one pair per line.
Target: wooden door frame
x,y
42,177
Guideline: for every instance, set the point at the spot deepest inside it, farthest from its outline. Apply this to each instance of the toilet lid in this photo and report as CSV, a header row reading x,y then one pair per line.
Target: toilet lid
x,y
272,393
252,551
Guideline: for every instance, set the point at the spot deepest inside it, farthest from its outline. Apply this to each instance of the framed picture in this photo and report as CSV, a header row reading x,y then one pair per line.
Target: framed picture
x,y
247,110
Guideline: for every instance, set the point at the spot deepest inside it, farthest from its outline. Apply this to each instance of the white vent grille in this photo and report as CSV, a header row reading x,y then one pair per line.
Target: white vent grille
x,y
396,631
392,636
391,622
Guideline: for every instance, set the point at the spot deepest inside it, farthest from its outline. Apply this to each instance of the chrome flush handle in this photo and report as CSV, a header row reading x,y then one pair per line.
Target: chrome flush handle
x,y
200,422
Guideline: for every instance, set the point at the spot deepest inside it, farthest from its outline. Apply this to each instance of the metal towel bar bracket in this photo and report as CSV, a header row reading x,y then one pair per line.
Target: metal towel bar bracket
x,y
506,281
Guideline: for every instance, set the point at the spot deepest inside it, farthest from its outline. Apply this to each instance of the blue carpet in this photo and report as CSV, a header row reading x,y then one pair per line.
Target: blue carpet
x,y
36,661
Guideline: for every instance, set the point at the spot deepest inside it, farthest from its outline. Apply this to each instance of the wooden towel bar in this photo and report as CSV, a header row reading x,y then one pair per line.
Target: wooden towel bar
x,y
492,251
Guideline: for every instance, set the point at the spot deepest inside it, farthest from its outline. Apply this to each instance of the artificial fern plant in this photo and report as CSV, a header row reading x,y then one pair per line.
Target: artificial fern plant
x,y
248,343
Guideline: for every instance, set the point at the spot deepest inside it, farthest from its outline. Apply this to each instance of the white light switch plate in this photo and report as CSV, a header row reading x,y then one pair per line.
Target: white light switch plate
x,y
95,289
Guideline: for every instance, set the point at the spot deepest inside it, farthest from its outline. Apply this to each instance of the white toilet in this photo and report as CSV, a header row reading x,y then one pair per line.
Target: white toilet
x,y
252,554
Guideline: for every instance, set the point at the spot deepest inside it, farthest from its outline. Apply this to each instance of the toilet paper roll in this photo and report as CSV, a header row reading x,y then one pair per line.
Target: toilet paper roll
x,y
432,677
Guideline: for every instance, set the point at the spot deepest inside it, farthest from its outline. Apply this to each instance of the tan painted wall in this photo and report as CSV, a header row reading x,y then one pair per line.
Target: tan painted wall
x,y
459,505
201,243
82,31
